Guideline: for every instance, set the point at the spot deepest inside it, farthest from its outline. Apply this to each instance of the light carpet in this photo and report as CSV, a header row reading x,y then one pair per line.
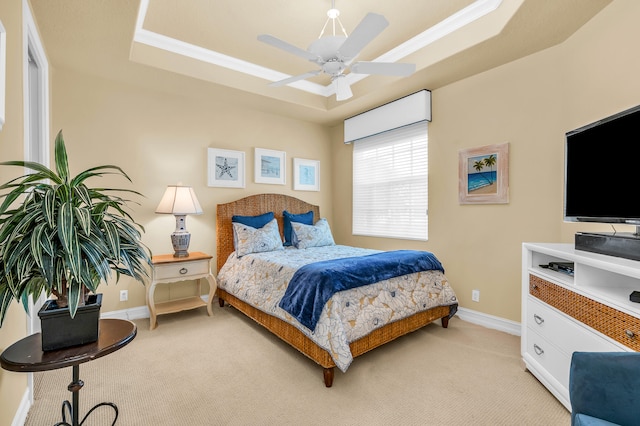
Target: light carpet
x,y
226,370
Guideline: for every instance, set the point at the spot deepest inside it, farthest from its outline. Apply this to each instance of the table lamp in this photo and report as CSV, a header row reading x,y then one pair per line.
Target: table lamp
x,y
179,201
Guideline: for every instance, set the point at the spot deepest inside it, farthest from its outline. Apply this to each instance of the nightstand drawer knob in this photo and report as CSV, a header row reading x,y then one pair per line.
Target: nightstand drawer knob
x,y
538,319
630,334
183,271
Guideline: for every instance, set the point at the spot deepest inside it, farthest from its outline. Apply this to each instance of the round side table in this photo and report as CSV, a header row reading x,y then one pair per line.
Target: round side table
x,y
26,356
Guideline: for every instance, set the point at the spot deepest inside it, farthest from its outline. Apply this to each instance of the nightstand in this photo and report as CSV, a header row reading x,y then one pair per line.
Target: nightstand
x,y
168,269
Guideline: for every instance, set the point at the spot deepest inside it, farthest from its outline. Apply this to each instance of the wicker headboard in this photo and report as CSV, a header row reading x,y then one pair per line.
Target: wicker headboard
x,y
251,206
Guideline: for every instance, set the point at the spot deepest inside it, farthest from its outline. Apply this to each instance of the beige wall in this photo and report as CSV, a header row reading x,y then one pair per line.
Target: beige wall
x,y
12,385
161,139
600,73
529,103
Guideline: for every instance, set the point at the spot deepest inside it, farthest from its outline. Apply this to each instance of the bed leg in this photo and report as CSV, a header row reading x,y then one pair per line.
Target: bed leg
x,y
221,302
445,322
328,377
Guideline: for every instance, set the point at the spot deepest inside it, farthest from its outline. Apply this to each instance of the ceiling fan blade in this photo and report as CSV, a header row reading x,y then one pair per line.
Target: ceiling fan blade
x,y
367,30
343,90
383,68
280,44
294,78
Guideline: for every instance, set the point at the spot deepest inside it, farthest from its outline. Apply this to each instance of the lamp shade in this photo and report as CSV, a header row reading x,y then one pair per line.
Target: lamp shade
x,y
179,200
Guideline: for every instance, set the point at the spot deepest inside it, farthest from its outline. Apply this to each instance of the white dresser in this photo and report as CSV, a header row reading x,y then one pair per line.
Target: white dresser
x,y
588,310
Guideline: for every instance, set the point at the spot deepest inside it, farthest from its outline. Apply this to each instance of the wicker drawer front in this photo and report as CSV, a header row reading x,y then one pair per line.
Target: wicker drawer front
x,y
619,326
566,335
181,269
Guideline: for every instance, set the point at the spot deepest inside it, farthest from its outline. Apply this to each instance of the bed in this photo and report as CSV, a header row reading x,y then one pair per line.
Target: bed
x,y
328,350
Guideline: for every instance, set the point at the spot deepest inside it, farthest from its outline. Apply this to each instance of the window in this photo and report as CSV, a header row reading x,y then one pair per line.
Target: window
x,y
390,185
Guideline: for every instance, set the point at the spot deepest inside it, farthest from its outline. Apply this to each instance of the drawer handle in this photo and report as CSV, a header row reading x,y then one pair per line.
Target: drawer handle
x,y
538,319
630,334
183,271
538,349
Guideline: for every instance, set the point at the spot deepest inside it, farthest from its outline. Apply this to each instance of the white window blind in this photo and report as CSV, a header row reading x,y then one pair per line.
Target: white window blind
x,y
390,185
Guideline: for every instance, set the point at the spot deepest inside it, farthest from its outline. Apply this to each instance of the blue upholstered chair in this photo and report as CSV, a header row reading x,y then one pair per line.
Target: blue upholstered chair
x,y
604,388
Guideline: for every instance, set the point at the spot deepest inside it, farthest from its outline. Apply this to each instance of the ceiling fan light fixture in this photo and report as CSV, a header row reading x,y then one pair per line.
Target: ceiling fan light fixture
x,y
334,53
343,90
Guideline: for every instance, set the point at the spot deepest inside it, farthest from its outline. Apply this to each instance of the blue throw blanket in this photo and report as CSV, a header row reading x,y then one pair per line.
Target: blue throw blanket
x,y
312,285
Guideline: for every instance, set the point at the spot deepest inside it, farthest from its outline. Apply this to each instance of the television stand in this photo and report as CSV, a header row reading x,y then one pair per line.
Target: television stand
x,y
619,244
589,311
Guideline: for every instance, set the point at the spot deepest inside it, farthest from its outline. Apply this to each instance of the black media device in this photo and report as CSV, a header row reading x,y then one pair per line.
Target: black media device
x,y
635,296
619,245
566,267
601,182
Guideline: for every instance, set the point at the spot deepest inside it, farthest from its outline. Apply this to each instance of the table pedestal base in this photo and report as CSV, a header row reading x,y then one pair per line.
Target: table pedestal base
x,y
74,409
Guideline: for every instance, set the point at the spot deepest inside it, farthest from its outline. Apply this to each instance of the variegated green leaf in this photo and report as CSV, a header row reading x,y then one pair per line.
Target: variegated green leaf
x,y
36,240
66,226
82,192
83,216
113,240
49,208
62,164
73,296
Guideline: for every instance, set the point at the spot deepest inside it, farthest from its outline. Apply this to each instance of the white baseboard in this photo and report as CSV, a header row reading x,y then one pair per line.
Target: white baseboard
x,y
489,321
128,314
23,410
465,314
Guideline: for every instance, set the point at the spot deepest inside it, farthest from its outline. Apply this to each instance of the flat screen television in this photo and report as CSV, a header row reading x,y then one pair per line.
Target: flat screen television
x,y
602,170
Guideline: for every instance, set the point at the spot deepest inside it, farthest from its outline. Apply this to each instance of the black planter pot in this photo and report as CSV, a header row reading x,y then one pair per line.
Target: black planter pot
x,y
60,331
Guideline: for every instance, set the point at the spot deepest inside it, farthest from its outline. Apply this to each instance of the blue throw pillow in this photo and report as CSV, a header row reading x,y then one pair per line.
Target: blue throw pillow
x,y
254,221
304,218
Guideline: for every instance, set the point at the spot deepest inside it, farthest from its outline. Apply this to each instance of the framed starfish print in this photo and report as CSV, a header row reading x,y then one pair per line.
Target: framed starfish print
x,y
225,168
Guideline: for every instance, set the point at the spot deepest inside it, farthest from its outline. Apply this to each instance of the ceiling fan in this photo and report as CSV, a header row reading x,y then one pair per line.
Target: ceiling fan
x,y
335,53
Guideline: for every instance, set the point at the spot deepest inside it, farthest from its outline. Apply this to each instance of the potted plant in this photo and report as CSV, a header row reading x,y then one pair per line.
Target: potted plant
x,y
63,238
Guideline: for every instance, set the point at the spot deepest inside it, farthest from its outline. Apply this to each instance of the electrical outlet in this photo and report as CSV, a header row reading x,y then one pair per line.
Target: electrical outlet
x,y
475,295
124,295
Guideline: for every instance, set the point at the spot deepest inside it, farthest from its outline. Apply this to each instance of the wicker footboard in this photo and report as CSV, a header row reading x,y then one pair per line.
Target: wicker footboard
x,y
302,343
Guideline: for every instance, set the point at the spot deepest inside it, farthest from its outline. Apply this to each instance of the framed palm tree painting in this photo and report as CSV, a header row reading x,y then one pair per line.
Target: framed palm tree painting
x,y
483,175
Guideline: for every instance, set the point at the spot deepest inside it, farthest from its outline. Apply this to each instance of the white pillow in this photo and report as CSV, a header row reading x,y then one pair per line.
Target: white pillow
x,y
252,240
317,235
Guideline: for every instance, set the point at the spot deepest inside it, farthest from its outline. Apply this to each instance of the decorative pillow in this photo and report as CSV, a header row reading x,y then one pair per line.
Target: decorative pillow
x,y
317,235
253,221
252,240
306,218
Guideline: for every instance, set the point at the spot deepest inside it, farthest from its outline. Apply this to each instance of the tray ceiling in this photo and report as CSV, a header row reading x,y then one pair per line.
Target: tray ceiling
x,y
205,48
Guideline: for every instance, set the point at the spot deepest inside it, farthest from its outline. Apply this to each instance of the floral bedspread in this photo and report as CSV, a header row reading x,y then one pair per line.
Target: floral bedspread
x,y
260,279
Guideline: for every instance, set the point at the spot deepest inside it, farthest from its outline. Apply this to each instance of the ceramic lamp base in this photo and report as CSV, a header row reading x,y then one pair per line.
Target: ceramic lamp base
x,y
180,242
